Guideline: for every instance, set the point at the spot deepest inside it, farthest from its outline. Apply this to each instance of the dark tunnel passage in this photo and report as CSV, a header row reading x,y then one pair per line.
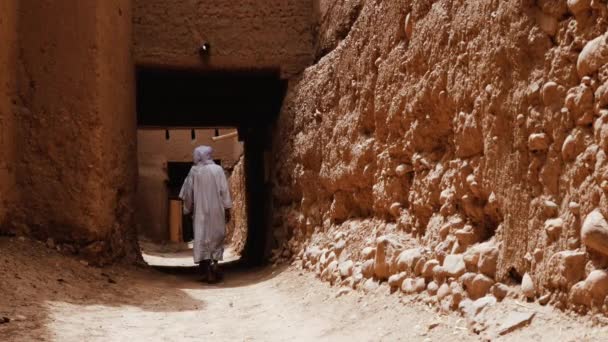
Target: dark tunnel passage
x,y
246,99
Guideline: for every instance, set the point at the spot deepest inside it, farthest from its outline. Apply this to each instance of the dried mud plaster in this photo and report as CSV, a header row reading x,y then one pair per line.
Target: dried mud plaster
x,y
461,143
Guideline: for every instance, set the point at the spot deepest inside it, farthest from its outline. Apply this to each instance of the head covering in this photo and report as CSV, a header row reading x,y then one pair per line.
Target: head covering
x,y
202,155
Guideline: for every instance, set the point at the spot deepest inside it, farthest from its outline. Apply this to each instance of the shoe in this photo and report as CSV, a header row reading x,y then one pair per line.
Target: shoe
x,y
203,267
214,275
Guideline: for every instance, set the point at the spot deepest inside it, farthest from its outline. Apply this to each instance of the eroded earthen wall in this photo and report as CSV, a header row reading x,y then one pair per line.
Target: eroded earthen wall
x,y
8,37
467,135
249,34
236,229
75,127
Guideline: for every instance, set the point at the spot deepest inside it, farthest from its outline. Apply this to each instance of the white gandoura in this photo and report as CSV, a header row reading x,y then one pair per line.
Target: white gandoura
x,y
205,194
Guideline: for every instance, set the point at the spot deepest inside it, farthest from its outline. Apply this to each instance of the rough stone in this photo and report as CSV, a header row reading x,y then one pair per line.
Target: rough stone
x,y
500,291
370,285
553,228
574,207
538,142
407,286
339,247
419,285
527,286
367,269
427,269
473,310
395,209
443,291
342,291
566,268
488,258
419,266
551,208
578,6
381,268
368,253
544,299
453,265
597,285
458,294
408,26
408,259
432,288
594,232
593,56
548,24
514,321
346,268
403,169
479,286
396,280
580,295
550,91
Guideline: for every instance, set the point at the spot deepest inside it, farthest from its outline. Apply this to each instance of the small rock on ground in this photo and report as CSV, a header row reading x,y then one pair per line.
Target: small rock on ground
x,y
514,321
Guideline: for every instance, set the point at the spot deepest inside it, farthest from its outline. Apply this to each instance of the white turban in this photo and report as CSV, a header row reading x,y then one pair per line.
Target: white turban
x,y
202,155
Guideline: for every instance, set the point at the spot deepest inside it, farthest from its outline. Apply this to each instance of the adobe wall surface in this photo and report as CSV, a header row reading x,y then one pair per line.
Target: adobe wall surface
x,y
466,135
76,126
247,34
152,144
236,229
8,37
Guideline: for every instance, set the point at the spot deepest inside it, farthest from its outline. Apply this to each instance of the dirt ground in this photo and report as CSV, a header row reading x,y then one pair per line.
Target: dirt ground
x,y
51,297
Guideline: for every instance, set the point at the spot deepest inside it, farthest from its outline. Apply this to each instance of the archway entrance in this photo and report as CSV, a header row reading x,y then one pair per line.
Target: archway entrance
x,y
173,99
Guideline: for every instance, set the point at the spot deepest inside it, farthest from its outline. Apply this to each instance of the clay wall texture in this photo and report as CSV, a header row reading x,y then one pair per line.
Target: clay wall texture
x,y
152,145
8,35
236,229
74,124
457,131
251,34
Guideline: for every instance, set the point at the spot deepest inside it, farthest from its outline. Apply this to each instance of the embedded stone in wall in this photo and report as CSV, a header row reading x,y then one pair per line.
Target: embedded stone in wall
x,y
553,228
547,23
403,169
579,102
479,286
578,6
566,268
467,135
569,148
538,142
597,285
381,268
368,253
408,259
594,232
408,26
593,56
454,265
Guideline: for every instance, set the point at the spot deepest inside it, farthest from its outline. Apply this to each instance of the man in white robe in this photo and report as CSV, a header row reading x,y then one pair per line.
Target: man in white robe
x,y
205,195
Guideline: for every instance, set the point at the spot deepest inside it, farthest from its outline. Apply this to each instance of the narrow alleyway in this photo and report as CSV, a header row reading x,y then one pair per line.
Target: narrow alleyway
x,y
61,299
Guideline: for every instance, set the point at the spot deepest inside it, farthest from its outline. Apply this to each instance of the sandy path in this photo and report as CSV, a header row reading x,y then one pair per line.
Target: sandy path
x,y
64,300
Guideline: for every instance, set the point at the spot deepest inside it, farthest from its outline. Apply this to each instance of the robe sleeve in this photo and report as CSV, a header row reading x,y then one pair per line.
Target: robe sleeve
x,y
224,191
187,194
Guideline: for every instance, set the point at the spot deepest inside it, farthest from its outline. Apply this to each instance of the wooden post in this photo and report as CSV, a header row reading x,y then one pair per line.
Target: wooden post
x,y
175,220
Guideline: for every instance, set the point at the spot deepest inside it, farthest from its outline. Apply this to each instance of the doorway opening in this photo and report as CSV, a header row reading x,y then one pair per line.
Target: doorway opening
x,y
164,161
179,104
